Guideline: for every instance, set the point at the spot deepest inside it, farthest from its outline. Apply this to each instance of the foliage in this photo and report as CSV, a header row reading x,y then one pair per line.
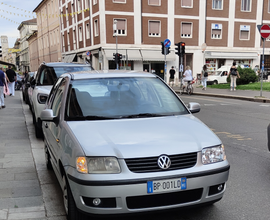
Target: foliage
x,y
250,86
247,75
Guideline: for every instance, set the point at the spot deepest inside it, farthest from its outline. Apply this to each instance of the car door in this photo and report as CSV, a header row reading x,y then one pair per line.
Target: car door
x,y
52,130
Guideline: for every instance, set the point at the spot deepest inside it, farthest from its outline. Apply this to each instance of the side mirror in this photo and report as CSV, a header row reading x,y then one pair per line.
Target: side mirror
x,y
47,115
33,82
194,107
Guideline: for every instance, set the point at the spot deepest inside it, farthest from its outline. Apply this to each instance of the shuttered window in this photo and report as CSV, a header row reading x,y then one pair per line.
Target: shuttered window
x,y
244,35
154,28
187,3
186,30
119,1
153,2
216,34
121,27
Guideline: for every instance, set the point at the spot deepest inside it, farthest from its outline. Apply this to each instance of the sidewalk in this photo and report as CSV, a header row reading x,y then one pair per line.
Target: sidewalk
x,y
27,189
247,95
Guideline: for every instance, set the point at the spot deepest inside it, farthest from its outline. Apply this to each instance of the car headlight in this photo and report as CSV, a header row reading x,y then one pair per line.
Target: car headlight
x,y
213,154
42,98
98,165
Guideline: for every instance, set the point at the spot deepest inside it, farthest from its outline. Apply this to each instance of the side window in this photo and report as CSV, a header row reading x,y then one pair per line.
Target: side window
x,y
56,104
46,77
53,92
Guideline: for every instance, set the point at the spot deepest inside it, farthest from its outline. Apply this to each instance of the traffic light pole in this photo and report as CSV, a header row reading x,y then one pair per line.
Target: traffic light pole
x,y
165,68
262,72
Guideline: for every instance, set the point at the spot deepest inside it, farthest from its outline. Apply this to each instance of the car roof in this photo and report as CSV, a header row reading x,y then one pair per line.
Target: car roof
x,y
108,74
62,64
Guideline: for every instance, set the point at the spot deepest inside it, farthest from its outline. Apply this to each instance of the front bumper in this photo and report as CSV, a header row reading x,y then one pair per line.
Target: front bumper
x,y
130,196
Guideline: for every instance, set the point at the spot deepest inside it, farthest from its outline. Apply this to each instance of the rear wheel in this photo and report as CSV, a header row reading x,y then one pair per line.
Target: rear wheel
x,y
189,90
215,82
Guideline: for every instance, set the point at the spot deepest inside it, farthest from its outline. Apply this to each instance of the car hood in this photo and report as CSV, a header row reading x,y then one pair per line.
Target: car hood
x,y
43,89
144,137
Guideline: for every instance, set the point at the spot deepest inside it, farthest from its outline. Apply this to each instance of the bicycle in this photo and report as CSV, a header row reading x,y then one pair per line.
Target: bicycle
x,y
188,89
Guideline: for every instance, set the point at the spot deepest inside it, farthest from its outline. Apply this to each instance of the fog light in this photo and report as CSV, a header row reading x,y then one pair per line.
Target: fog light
x,y
96,201
220,187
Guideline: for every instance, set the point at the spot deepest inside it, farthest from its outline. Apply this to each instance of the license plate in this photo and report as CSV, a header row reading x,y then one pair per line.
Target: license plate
x,y
167,185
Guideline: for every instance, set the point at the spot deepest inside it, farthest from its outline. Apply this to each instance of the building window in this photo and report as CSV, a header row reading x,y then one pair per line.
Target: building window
x,y
268,6
96,28
79,6
154,28
64,49
87,31
68,41
154,2
216,31
244,32
74,40
86,4
187,3
120,27
119,1
245,5
94,2
80,33
186,30
217,4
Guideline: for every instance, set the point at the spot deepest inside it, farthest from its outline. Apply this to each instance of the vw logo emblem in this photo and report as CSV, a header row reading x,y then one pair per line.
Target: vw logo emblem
x,y
164,162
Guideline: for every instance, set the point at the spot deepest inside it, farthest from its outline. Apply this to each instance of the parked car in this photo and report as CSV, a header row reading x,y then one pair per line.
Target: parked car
x,y
25,87
220,76
123,142
31,88
47,74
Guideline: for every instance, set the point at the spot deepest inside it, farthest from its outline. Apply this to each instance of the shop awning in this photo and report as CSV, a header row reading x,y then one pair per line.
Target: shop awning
x,y
132,54
156,55
227,55
69,58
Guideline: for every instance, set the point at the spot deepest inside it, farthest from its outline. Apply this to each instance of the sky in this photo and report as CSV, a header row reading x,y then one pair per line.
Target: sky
x,y
12,13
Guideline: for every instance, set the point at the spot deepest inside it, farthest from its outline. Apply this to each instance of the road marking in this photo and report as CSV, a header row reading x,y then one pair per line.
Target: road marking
x,y
234,136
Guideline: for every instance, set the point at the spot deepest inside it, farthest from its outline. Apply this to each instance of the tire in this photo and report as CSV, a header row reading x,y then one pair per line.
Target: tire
x,y
38,130
23,97
47,158
215,82
69,203
189,90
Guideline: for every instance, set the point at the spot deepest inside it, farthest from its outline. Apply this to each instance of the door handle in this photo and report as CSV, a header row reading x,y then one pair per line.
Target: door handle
x,y
46,125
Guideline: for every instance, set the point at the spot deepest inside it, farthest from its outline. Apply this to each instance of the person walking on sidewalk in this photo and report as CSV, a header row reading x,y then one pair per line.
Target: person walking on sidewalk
x,y
2,84
204,77
172,73
12,78
187,76
234,74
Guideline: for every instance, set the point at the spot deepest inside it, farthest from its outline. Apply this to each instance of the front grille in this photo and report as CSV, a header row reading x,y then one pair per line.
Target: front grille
x,y
166,199
150,164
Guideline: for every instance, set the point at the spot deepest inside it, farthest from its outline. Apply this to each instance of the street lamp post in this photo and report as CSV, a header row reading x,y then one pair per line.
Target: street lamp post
x,y
115,35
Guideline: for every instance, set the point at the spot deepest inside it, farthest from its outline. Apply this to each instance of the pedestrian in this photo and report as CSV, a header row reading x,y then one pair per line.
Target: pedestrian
x,y
234,74
172,73
2,84
6,90
12,78
187,76
204,77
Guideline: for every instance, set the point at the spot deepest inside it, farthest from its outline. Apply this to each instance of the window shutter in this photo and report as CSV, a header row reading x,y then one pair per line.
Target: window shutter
x,y
244,35
153,2
186,28
121,25
186,3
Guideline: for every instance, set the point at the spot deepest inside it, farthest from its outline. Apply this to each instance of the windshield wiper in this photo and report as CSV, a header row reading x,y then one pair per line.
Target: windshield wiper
x,y
143,115
89,117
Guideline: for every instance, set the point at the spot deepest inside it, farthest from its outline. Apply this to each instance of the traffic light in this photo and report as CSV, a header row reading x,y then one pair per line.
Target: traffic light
x,y
162,47
182,48
164,50
177,49
0,51
115,57
119,57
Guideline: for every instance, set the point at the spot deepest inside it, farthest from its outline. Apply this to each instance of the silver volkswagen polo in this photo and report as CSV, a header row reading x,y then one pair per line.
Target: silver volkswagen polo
x,y
124,142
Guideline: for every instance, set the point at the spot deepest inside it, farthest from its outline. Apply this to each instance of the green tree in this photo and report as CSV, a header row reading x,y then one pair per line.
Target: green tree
x,y
247,75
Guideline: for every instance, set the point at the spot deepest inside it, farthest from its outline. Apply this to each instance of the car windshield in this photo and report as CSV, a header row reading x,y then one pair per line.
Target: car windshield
x,y
109,98
218,73
69,69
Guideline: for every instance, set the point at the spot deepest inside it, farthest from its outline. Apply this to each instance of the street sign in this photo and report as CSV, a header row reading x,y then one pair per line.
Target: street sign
x,y
265,31
167,43
181,68
88,53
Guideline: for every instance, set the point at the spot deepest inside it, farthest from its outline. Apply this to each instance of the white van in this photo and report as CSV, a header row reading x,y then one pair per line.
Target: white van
x,y
220,76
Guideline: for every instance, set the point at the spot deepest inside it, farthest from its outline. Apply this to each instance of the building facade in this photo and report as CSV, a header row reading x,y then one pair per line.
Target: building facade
x,y
48,35
26,28
216,32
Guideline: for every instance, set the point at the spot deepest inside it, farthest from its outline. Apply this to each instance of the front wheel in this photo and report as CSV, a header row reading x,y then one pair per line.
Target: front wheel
x,y
215,82
69,203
